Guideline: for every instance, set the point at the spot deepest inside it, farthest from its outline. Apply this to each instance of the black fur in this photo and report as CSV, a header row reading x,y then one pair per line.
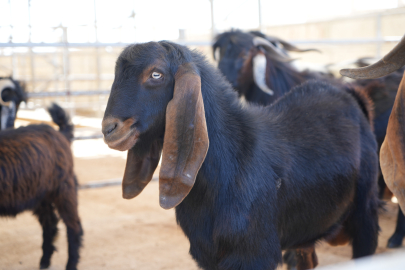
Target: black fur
x,y
61,118
235,46
279,177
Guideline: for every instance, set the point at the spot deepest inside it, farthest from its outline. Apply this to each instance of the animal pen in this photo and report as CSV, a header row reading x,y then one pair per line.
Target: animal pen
x,y
77,71
79,75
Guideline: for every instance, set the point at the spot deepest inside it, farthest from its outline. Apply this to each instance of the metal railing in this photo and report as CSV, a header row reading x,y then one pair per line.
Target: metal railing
x,y
92,77
197,43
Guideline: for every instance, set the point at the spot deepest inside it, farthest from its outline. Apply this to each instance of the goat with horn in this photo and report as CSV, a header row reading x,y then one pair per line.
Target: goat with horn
x,y
246,181
240,53
257,66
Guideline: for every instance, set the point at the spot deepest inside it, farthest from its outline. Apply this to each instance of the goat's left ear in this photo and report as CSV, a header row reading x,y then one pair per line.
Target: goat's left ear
x,y
186,141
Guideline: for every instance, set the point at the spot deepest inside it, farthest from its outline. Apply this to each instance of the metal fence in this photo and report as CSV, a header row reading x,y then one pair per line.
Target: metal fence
x,y
67,78
79,75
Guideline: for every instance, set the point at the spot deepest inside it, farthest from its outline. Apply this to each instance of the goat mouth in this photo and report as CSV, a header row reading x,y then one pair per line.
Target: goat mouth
x,y
124,142
120,135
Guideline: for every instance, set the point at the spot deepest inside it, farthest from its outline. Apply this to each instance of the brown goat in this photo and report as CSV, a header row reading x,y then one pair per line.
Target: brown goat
x,y
392,155
36,173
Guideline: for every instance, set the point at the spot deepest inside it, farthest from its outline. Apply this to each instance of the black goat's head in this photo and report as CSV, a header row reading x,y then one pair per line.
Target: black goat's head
x,y
156,97
234,55
243,58
12,93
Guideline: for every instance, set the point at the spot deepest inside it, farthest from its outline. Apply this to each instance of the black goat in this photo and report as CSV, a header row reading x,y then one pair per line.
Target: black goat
x,y
246,181
12,93
36,173
261,72
237,53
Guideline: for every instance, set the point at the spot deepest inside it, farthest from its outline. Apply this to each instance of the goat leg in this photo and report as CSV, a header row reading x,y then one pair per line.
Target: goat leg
x,y
398,236
306,258
48,220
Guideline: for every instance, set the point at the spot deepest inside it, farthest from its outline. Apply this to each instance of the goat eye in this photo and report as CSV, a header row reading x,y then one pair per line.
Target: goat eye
x,y
156,75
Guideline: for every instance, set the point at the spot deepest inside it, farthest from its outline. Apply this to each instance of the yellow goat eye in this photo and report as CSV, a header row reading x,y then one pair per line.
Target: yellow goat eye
x,y
156,75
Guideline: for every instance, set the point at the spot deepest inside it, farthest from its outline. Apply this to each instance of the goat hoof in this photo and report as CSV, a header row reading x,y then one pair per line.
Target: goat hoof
x,y
290,260
71,267
395,241
44,265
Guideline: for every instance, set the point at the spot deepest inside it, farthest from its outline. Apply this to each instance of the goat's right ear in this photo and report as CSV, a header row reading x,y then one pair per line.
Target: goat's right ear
x,y
141,163
186,141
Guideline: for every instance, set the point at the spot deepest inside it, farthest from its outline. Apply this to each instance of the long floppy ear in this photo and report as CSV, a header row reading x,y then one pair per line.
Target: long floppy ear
x,y
186,141
141,163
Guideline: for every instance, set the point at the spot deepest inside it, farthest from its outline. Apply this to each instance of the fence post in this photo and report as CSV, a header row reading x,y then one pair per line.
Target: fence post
x,y
379,35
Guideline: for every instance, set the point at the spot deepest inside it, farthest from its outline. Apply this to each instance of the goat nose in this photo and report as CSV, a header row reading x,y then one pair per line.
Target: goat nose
x,y
109,126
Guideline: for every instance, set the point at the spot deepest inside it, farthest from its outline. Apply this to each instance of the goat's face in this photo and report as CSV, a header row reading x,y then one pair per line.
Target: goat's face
x,y
156,104
233,50
243,59
11,95
136,108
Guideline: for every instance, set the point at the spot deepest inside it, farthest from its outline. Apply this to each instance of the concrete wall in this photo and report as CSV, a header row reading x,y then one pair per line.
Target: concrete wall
x,y
370,26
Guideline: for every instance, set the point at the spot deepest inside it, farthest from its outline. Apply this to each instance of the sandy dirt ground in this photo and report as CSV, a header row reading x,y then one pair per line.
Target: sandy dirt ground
x,y
122,234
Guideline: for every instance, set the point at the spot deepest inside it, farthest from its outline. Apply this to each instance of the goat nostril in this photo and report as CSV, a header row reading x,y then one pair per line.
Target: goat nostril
x,y
112,129
109,129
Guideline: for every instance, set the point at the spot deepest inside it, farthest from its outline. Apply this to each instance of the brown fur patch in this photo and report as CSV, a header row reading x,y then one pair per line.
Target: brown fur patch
x,y
245,76
392,153
306,258
124,137
36,163
339,239
148,70
365,102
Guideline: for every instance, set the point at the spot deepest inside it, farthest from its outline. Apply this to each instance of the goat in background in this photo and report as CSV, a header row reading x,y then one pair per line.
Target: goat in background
x,y
36,173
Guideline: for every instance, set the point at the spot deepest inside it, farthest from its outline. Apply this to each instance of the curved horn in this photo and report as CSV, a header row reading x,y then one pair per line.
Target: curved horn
x,y
274,52
288,46
5,83
394,60
259,73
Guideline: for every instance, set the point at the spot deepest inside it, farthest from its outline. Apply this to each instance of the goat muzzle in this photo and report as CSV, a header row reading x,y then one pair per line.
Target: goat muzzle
x,y
119,135
5,83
